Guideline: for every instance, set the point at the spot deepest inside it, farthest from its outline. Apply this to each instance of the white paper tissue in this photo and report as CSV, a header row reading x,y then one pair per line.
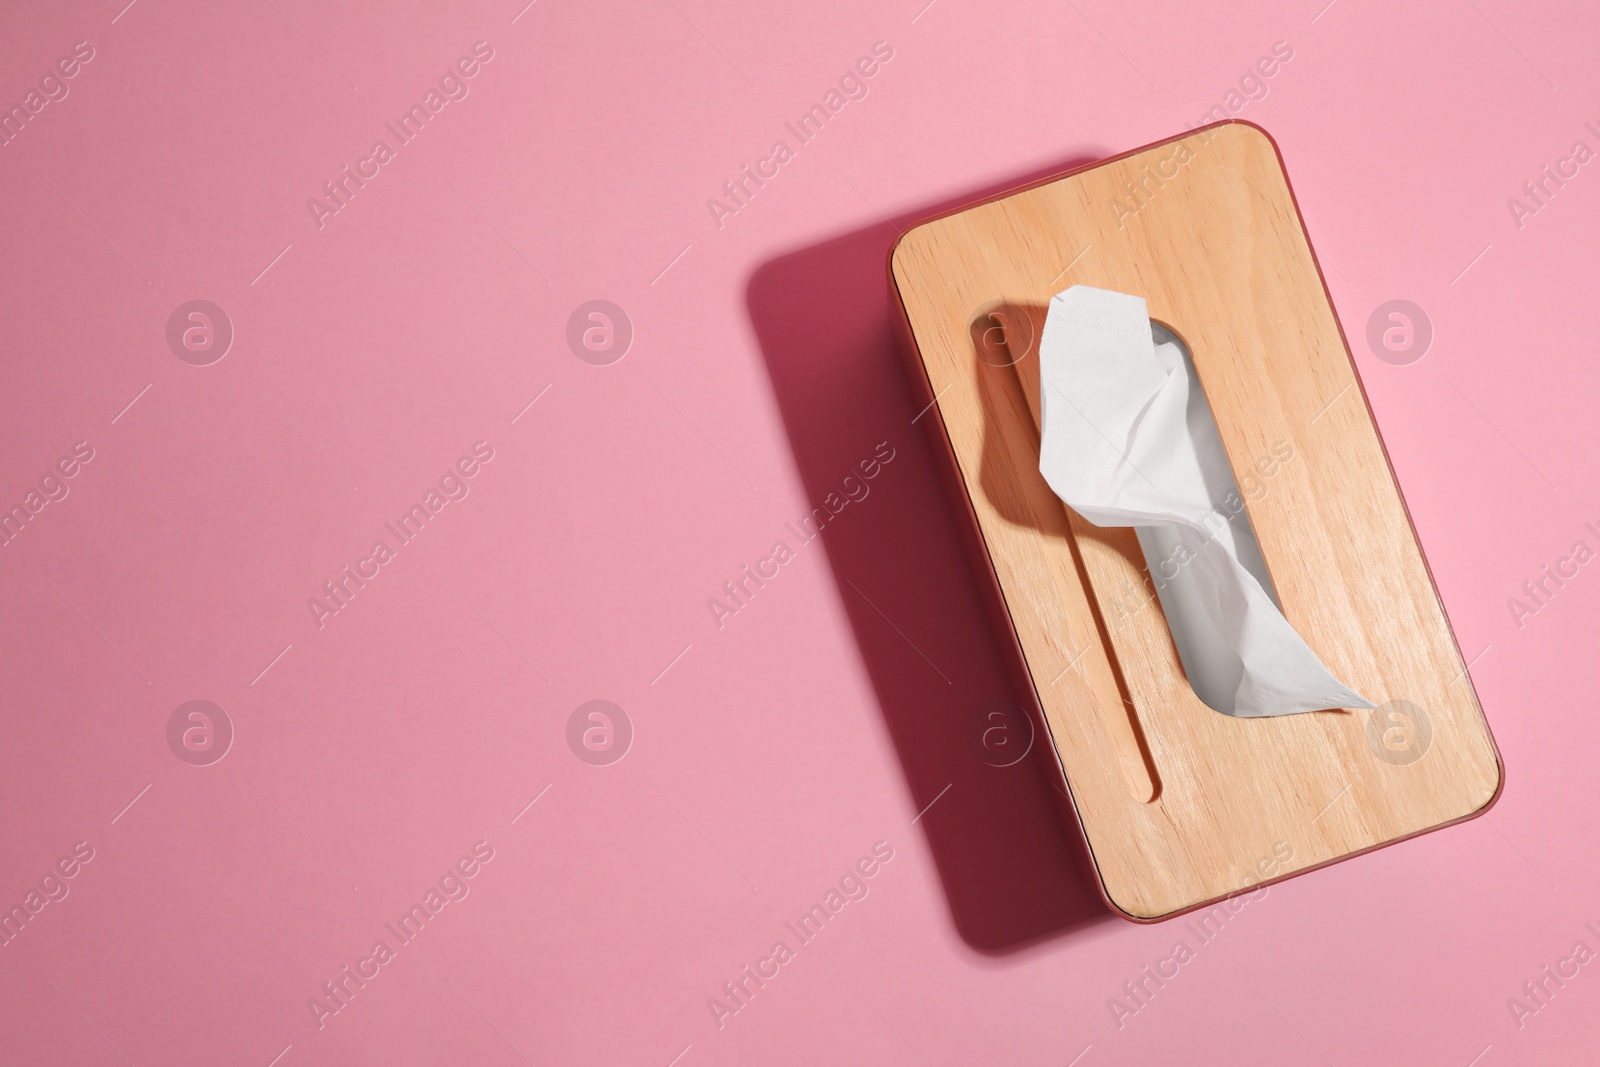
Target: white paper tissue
x,y
1128,440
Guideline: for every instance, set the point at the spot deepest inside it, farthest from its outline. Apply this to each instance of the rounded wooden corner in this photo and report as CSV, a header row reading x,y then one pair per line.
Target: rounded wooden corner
x,y
1259,131
1499,774
899,246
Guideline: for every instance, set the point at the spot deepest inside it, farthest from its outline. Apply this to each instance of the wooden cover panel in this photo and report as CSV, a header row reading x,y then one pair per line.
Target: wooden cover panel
x,y
1178,802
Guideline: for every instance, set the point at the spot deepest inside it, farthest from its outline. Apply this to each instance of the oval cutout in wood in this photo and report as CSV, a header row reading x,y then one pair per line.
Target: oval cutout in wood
x,y
1004,336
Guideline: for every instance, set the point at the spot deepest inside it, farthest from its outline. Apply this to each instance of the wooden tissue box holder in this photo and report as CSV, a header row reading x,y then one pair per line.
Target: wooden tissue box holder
x,y
1180,805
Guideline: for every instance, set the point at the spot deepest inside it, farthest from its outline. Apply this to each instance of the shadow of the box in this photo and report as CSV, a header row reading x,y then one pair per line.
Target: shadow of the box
x,y
925,617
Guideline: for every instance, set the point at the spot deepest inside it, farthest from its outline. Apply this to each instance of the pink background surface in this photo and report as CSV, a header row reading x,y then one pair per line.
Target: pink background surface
x,y
371,753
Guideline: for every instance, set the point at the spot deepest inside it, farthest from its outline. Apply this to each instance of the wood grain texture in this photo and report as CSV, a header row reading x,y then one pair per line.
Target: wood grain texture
x,y
1180,804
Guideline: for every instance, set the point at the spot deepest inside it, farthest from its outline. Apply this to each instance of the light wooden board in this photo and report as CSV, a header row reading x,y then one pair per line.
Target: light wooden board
x,y
1182,805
